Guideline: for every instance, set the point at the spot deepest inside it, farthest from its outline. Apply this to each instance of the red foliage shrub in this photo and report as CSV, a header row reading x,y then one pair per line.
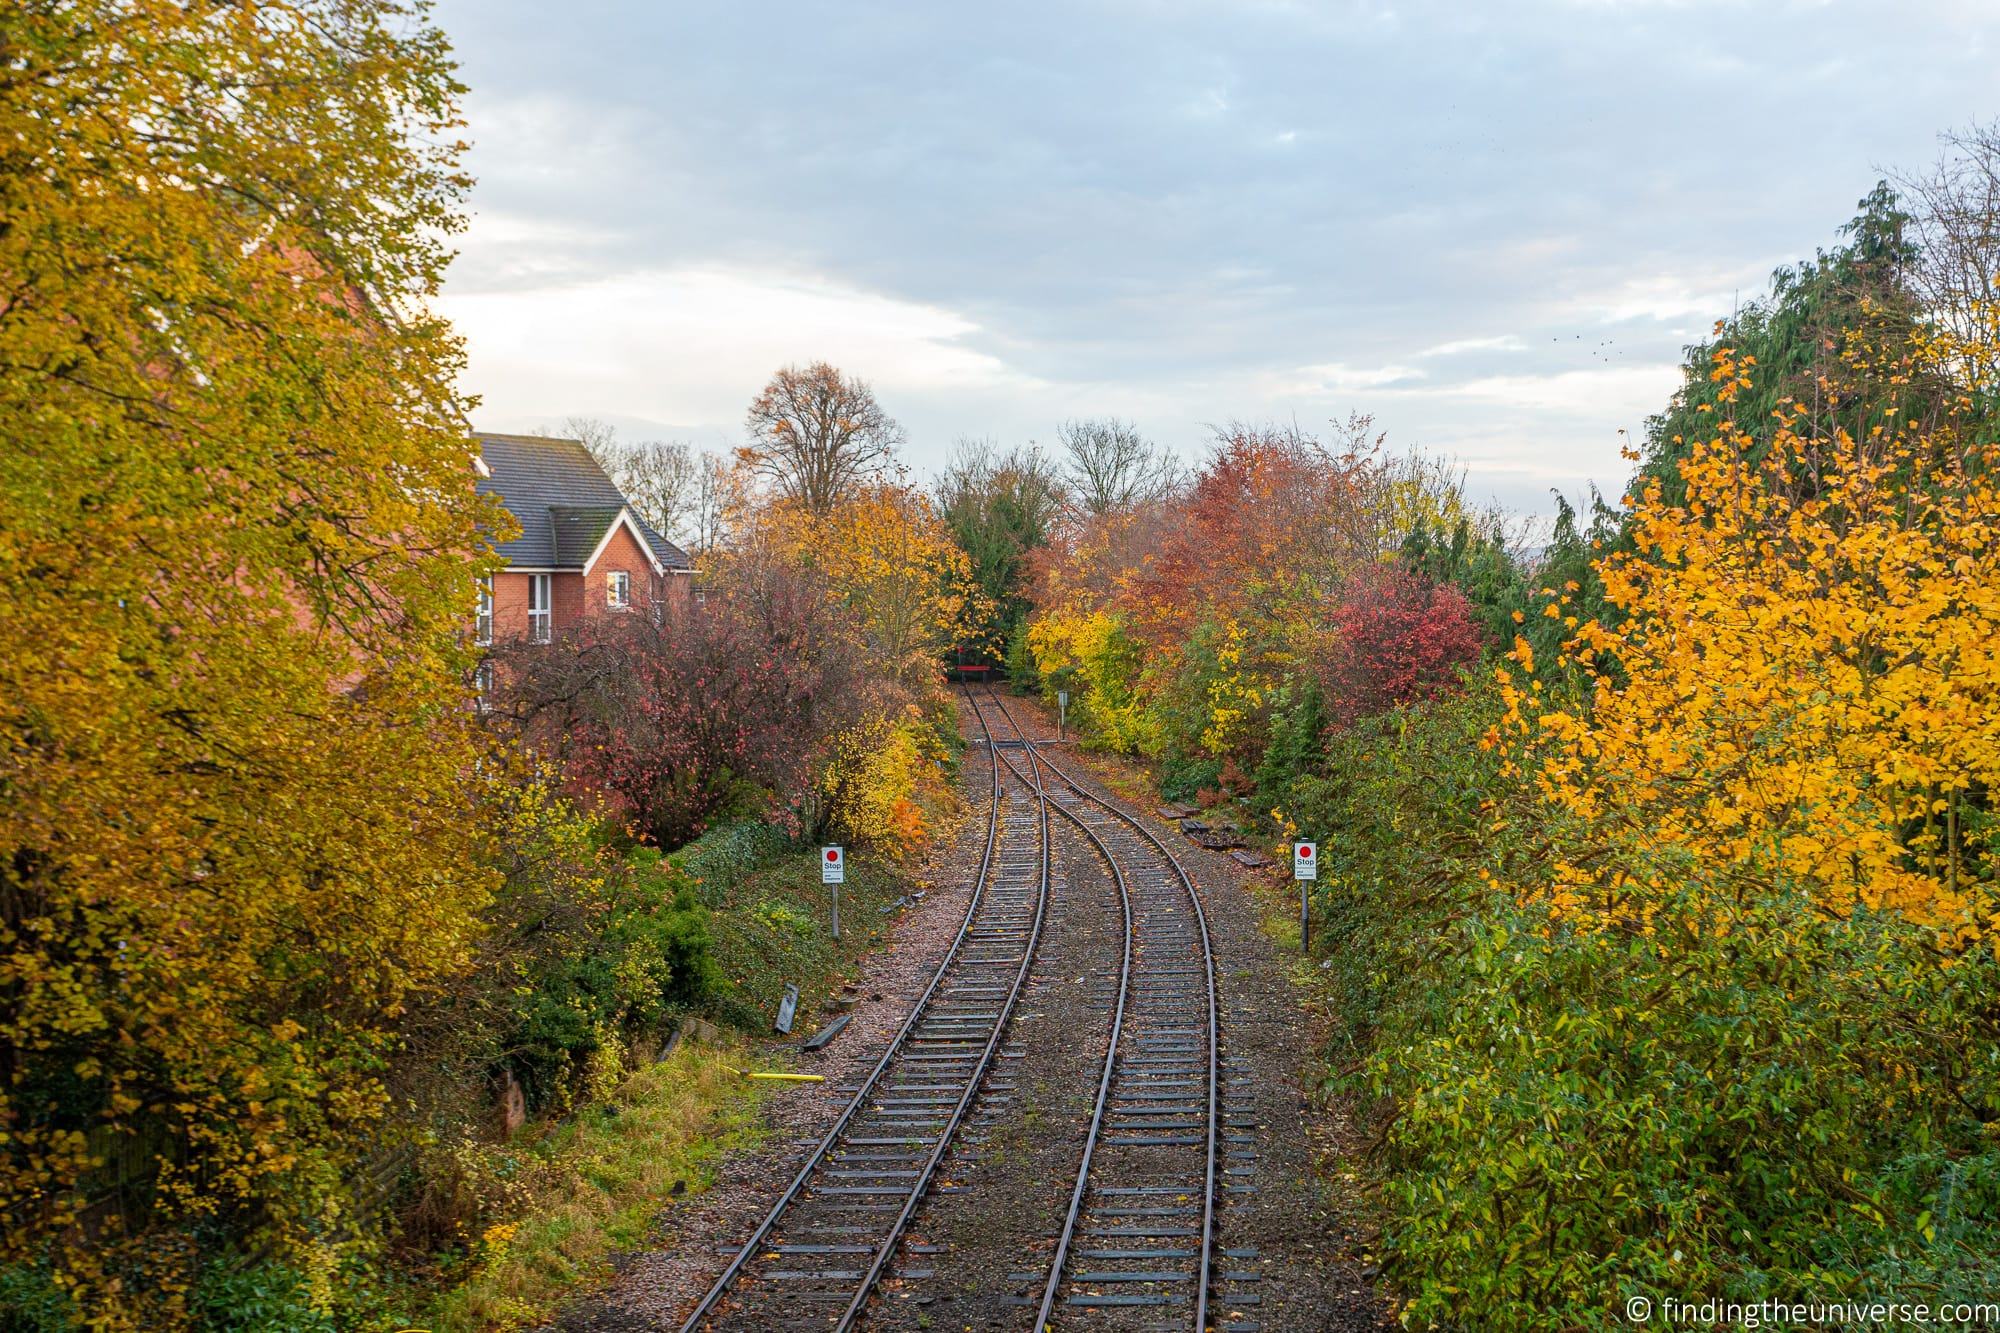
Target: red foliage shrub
x,y
1397,638
682,720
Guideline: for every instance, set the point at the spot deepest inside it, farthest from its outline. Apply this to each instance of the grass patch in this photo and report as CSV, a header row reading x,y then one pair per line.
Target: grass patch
x,y
772,929
594,1184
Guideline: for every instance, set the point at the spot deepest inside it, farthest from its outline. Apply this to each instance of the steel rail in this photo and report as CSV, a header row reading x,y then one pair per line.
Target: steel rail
x,y
1061,1255
979,1074
823,1152
1206,1262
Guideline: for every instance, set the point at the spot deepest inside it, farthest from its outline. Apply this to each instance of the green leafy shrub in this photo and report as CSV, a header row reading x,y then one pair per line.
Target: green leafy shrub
x,y
1743,1098
1750,1103
649,950
1184,779
726,856
260,1298
32,1302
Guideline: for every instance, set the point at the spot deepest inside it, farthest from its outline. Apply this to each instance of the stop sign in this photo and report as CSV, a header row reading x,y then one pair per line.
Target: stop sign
x,y
1305,860
832,867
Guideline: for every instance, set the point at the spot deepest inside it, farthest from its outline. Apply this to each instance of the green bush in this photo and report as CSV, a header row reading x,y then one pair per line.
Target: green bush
x,y
724,857
1736,1097
31,1302
1295,747
649,951
1752,1103
1184,779
262,1298
1020,664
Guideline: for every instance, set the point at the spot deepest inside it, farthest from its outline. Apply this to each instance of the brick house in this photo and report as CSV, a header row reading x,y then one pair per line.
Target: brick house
x,y
582,550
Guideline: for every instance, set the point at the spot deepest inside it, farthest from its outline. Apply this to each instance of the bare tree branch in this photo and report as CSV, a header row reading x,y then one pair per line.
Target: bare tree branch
x,y
1113,467
816,434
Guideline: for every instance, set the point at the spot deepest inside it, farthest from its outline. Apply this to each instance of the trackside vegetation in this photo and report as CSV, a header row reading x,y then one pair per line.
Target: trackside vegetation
x,y
1661,911
336,948
347,962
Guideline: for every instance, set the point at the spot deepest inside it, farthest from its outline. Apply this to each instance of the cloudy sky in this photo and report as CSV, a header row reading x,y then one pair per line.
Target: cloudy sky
x,y
1493,225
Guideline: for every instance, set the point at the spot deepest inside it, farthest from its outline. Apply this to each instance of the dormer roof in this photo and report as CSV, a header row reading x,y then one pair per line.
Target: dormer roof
x,y
565,504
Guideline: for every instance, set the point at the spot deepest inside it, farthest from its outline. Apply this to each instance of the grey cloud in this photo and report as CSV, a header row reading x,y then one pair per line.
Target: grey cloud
x,y
1146,198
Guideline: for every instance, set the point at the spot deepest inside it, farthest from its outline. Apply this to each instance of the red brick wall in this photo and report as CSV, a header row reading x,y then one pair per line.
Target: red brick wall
x,y
574,596
510,603
678,589
510,606
622,552
566,596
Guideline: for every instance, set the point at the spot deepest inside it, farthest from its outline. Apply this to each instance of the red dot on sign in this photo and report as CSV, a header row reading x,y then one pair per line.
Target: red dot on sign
x,y
832,854
1306,852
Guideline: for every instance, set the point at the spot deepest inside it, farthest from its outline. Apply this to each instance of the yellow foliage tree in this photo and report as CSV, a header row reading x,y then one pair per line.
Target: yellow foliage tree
x,y
894,563
1806,683
1093,649
879,777
237,530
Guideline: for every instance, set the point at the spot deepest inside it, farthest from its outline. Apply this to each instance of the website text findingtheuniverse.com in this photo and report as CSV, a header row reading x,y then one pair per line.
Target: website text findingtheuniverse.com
x,y
1667,1312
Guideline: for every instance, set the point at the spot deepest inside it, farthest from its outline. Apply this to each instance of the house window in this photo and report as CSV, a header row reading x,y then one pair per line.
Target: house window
x,y
618,589
482,628
538,608
482,687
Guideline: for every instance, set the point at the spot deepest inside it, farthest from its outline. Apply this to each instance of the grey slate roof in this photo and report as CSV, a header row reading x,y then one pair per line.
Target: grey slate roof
x,y
579,530
561,498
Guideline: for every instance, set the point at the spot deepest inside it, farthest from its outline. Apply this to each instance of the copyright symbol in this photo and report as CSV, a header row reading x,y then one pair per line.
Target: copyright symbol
x,y
1638,1309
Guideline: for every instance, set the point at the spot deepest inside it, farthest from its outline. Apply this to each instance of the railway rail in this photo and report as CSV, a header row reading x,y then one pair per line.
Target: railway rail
x,y
1137,1242
820,1251
1140,1230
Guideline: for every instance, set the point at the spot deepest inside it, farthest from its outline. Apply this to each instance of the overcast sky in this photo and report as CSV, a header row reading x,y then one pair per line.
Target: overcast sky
x,y
1492,225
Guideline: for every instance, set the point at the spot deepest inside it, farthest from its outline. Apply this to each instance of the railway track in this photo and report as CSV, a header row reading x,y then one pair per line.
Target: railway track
x,y
1137,1242
818,1254
1135,1246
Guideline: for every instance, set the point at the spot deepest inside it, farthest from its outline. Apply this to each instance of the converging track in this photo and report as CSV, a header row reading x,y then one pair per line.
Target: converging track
x,y
819,1253
1135,1246
1139,1234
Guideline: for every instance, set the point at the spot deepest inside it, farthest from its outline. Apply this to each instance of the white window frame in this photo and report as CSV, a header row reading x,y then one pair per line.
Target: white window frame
x,y
618,590
541,621
482,624
482,687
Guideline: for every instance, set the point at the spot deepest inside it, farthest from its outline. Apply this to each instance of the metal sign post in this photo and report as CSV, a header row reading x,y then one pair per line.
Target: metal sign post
x,y
833,872
1305,869
1062,711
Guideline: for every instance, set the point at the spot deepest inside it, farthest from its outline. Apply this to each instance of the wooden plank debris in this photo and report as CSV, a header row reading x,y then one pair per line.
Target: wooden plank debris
x,y
819,1039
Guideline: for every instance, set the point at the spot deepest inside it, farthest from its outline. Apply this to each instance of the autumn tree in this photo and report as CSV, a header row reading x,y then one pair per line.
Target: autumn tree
x,y
1395,638
1112,467
1955,224
237,537
817,434
1000,505
598,437
893,563
662,479
1803,678
720,504
700,713
1272,521
1797,336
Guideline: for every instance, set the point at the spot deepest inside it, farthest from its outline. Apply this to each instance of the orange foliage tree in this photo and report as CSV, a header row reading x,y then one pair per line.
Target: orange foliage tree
x,y
904,594
1806,679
